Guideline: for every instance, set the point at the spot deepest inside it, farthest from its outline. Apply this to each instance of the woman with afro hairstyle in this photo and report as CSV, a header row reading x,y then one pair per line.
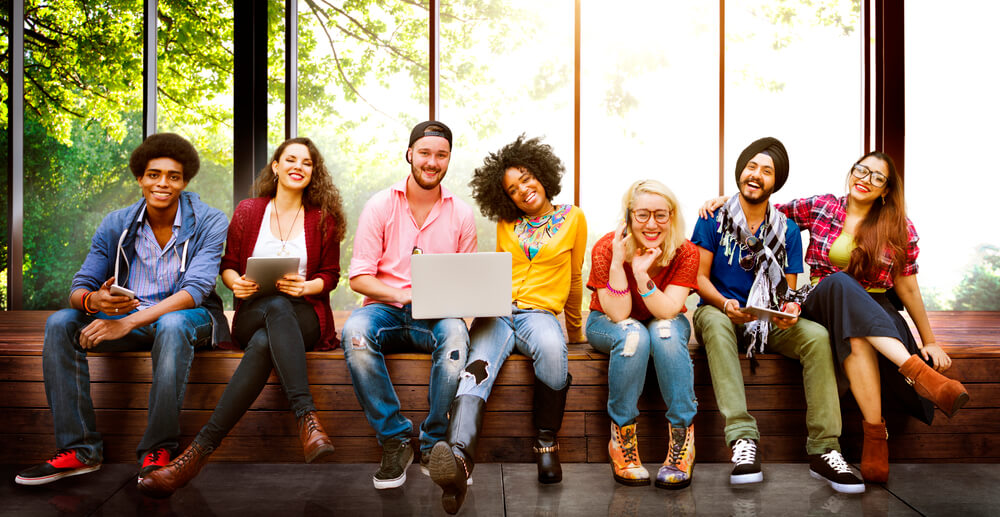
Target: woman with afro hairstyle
x,y
298,213
547,242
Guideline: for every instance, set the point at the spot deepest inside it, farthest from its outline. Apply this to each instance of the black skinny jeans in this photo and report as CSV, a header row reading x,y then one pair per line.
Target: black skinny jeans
x,y
277,331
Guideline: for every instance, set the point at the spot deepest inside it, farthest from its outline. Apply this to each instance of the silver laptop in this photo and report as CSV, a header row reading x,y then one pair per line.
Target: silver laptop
x,y
460,285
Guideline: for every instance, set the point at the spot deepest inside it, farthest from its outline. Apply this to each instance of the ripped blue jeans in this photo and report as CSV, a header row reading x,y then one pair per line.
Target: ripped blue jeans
x,y
629,345
535,333
377,329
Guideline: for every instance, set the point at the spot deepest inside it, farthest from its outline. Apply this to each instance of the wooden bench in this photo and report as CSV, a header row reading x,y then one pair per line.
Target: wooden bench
x,y
120,383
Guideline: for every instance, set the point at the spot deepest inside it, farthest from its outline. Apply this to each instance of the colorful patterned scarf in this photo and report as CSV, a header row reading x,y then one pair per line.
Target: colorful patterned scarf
x,y
533,233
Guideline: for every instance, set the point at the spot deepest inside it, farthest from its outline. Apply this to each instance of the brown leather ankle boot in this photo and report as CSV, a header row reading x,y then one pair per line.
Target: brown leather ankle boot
x,y
947,394
163,482
875,453
315,443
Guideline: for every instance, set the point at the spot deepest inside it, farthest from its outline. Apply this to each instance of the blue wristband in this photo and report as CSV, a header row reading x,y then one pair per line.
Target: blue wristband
x,y
647,293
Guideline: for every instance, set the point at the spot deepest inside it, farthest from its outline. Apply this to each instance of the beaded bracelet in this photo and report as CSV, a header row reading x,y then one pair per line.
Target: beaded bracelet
x,y
616,292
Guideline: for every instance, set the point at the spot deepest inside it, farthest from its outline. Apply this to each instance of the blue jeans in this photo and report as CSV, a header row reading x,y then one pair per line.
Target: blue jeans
x,y
629,344
377,329
535,333
171,341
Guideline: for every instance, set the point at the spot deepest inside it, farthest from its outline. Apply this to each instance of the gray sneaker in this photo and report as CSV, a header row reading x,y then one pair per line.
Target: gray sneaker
x,y
396,456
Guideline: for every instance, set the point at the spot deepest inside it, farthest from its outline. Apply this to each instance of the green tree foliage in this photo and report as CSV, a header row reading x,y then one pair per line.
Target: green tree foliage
x,y
980,288
83,99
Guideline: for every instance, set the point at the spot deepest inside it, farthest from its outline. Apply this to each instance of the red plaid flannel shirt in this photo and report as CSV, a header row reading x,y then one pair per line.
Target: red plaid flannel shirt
x,y
824,217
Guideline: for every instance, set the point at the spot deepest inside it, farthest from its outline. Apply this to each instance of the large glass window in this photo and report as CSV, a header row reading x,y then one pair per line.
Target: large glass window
x,y
793,71
649,105
951,174
362,86
506,69
82,119
195,90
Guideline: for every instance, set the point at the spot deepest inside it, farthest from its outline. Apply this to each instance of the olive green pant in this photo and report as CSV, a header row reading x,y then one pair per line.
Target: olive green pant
x,y
806,341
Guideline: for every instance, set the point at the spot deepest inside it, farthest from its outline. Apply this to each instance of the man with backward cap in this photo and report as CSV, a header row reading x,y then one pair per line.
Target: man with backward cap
x,y
415,215
750,256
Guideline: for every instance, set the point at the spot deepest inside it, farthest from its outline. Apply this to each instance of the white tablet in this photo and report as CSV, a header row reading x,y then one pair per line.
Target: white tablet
x,y
267,270
765,314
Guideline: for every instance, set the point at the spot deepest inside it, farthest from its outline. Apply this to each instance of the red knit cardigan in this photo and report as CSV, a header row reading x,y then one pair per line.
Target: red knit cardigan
x,y
322,259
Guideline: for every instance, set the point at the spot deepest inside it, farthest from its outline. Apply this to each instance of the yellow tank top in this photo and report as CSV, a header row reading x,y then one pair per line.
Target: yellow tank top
x,y
840,256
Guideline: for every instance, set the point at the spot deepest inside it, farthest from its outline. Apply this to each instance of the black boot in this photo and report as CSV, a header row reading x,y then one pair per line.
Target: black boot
x,y
452,460
549,406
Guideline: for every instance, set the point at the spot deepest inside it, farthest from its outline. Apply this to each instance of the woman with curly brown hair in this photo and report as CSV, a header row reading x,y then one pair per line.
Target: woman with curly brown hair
x,y
547,242
297,213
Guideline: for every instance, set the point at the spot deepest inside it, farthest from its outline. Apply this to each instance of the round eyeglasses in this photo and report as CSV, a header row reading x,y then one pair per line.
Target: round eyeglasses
x,y
861,172
643,215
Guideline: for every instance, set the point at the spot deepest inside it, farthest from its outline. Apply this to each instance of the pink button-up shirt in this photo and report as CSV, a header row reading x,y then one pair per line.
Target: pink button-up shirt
x,y
387,234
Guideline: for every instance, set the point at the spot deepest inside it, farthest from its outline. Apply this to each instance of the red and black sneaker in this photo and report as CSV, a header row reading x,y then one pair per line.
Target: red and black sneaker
x,y
154,459
63,464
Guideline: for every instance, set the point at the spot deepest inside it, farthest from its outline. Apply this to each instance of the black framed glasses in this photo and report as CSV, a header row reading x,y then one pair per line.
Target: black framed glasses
x,y
877,178
643,215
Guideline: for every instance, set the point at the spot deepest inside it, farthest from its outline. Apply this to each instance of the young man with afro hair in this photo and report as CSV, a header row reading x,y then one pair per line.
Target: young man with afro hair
x,y
148,283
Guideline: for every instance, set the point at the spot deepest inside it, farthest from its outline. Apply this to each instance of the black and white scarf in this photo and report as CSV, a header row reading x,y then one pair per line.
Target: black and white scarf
x,y
769,289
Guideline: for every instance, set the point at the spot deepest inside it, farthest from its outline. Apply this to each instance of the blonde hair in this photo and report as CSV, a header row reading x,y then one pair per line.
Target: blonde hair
x,y
675,228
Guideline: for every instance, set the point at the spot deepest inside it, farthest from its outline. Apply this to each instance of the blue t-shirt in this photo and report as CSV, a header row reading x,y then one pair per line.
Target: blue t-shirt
x,y
730,279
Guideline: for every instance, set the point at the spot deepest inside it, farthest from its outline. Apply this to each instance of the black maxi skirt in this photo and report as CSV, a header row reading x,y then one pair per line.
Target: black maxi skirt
x,y
842,305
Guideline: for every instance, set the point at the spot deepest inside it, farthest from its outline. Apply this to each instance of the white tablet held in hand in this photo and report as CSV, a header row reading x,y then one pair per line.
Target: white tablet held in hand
x,y
765,314
267,270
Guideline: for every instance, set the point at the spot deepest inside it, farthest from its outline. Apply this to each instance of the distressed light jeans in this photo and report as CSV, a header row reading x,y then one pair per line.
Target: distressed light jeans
x,y
171,341
807,341
535,333
629,345
377,329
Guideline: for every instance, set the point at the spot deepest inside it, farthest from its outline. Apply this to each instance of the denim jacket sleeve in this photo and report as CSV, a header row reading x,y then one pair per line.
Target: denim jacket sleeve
x,y
97,266
205,255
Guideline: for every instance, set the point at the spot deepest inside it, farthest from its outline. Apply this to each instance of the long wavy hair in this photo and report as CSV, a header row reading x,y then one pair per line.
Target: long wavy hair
x,y
320,193
675,229
884,228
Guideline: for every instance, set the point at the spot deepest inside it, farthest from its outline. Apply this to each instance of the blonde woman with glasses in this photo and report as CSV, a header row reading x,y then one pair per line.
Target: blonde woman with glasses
x,y
641,274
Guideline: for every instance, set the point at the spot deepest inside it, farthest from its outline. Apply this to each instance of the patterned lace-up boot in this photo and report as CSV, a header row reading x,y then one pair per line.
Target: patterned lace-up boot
x,y
678,467
624,451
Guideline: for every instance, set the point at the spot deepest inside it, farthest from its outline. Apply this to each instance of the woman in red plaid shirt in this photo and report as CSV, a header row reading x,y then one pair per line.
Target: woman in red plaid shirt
x,y
862,258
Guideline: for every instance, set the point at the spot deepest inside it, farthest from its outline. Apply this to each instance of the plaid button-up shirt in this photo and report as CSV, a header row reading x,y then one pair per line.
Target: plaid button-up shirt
x,y
824,217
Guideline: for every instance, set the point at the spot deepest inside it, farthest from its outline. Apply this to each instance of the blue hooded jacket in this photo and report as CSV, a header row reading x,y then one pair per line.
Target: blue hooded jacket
x,y
199,243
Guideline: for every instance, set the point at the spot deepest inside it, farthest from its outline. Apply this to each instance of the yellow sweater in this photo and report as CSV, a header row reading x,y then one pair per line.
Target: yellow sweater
x,y
552,280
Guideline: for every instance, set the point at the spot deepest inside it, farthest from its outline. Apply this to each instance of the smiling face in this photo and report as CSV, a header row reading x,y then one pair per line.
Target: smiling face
x,y
293,168
526,192
651,233
429,159
757,179
162,183
863,190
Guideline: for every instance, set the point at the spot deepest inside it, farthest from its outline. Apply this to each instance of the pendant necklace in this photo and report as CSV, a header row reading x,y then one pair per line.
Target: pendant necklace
x,y
284,238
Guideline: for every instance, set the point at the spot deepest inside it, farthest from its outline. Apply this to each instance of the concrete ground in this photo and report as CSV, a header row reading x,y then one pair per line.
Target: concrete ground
x,y
287,490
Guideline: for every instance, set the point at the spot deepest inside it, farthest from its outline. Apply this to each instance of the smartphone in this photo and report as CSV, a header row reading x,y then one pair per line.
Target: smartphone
x,y
628,224
121,291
